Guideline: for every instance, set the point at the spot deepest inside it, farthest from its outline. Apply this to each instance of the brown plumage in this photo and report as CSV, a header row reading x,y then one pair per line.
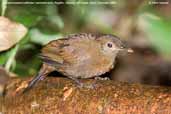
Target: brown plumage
x,y
80,56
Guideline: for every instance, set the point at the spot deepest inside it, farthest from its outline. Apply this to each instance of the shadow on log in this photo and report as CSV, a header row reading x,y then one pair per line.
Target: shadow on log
x,y
61,96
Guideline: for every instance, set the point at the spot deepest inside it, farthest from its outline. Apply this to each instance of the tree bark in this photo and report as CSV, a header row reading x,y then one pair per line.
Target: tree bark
x,y
56,95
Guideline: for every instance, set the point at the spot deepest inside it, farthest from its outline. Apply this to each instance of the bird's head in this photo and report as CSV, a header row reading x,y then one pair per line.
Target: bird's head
x,y
111,45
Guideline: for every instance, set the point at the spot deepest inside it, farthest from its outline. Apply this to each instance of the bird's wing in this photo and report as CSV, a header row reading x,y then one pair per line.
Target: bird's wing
x,y
58,52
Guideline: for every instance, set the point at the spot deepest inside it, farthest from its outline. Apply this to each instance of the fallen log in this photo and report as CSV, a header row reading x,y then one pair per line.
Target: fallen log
x,y
57,95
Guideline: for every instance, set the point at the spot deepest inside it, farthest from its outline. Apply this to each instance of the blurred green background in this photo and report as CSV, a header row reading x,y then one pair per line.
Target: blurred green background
x,y
141,23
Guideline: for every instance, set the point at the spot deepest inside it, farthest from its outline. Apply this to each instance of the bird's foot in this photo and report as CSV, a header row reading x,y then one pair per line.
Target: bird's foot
x,y
88,86
102,78
83,85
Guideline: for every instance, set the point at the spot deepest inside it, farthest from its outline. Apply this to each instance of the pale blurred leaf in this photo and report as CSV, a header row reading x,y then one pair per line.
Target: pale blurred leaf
x,y
10,33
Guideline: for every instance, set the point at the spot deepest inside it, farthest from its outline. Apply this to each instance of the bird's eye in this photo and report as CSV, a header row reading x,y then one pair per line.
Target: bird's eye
x,y
109,45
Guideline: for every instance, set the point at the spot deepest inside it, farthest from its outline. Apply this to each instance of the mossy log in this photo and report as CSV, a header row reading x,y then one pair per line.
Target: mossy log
x,y
58,95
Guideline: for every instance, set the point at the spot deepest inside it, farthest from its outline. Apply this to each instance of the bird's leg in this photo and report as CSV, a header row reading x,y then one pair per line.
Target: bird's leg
x,y
80,84
44,71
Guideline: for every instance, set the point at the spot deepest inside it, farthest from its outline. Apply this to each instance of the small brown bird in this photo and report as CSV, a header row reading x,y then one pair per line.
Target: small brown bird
x,y
80,56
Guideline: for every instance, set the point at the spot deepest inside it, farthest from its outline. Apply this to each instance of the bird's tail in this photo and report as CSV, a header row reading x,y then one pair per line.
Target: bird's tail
x,y
44,71
37,78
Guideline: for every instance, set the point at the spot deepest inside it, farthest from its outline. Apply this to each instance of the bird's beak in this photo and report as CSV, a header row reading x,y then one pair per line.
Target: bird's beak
x,y
129,50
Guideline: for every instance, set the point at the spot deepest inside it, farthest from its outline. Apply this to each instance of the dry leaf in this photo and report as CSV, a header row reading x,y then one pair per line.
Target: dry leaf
x,y
10,33
67,93
21,87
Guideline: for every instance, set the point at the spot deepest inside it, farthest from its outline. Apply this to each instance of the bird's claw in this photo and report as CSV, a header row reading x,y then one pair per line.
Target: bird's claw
x,y
102,78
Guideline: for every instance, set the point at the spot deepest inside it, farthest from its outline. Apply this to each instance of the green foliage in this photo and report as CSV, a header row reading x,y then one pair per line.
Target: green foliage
x,y
3,6
29,16
32,17
11,59
4,57
52,16
29,67
38,37
159,32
